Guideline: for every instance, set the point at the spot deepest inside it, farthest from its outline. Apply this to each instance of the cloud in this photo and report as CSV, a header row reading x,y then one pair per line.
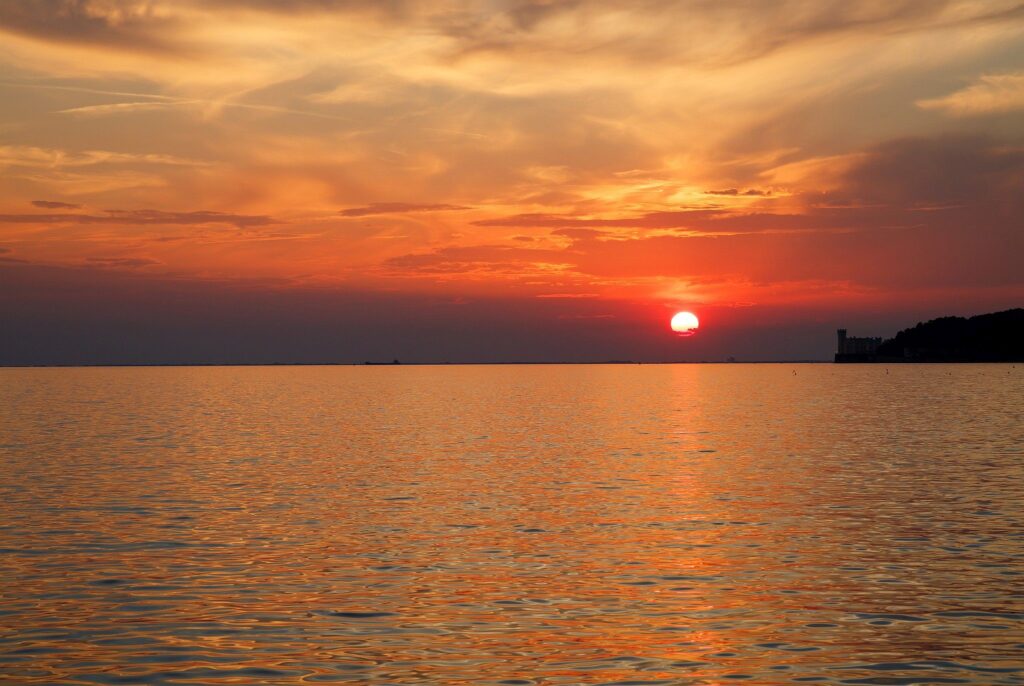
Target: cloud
x,y
529,112
398,208
991,94
55,205
393,8
55,158
736,191
130,262
957,169
119,23
703,220
718,34
537,32
142,217
123,108
912,213
481,258
197,217
5,257
568,295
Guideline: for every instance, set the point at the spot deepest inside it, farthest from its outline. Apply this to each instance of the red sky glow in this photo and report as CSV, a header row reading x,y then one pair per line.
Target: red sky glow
x,y
327,180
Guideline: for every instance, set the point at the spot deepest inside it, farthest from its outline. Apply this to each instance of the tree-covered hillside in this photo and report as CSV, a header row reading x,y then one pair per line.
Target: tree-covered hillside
x,y
995,337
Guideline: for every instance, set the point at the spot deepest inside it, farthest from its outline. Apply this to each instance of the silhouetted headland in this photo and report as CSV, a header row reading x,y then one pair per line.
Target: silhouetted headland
x,y
994,337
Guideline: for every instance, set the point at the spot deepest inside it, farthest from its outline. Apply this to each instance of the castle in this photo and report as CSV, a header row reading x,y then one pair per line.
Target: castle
x,y
853,349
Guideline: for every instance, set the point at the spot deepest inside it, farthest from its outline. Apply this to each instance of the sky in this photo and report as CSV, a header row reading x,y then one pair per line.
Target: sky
x,y
501,180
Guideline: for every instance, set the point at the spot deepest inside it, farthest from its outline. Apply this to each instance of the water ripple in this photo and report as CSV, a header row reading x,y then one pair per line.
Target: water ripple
x,y
512,525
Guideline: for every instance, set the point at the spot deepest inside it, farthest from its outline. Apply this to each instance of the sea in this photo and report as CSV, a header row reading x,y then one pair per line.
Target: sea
x,y
513,524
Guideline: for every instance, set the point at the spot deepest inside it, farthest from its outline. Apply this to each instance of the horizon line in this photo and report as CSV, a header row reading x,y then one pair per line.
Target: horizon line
x,y
398,364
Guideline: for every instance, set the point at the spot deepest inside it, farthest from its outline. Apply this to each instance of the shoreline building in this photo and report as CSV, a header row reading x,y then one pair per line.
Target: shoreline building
x,y
855,349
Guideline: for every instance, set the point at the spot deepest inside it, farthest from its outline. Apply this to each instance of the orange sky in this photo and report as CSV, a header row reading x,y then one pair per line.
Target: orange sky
x,y
809,156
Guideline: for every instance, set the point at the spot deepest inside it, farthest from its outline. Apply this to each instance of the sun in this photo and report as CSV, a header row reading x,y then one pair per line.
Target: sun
x,y
685,323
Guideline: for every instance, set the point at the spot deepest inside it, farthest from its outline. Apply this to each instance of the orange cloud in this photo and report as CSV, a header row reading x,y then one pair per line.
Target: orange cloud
x,y
649,152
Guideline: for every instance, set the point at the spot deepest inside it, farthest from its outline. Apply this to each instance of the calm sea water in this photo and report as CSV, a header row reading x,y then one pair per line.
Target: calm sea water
x,y
679,524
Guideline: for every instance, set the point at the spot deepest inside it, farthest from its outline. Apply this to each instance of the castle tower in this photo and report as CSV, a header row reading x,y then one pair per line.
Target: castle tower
x,y
841,341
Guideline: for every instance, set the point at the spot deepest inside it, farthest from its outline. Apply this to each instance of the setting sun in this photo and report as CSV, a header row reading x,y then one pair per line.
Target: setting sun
x,y
685,323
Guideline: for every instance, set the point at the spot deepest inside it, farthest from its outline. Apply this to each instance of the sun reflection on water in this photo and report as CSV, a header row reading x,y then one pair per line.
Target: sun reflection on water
x,y
555,525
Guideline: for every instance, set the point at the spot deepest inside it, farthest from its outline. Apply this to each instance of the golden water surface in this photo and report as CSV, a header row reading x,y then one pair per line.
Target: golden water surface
x,y
676,524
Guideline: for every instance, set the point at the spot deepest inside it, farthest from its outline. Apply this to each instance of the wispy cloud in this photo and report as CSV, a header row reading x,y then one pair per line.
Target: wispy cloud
x,y
991,94
141,217
56,158
526,141
129,262
156,102
56,205
737,192
399,208
122,108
